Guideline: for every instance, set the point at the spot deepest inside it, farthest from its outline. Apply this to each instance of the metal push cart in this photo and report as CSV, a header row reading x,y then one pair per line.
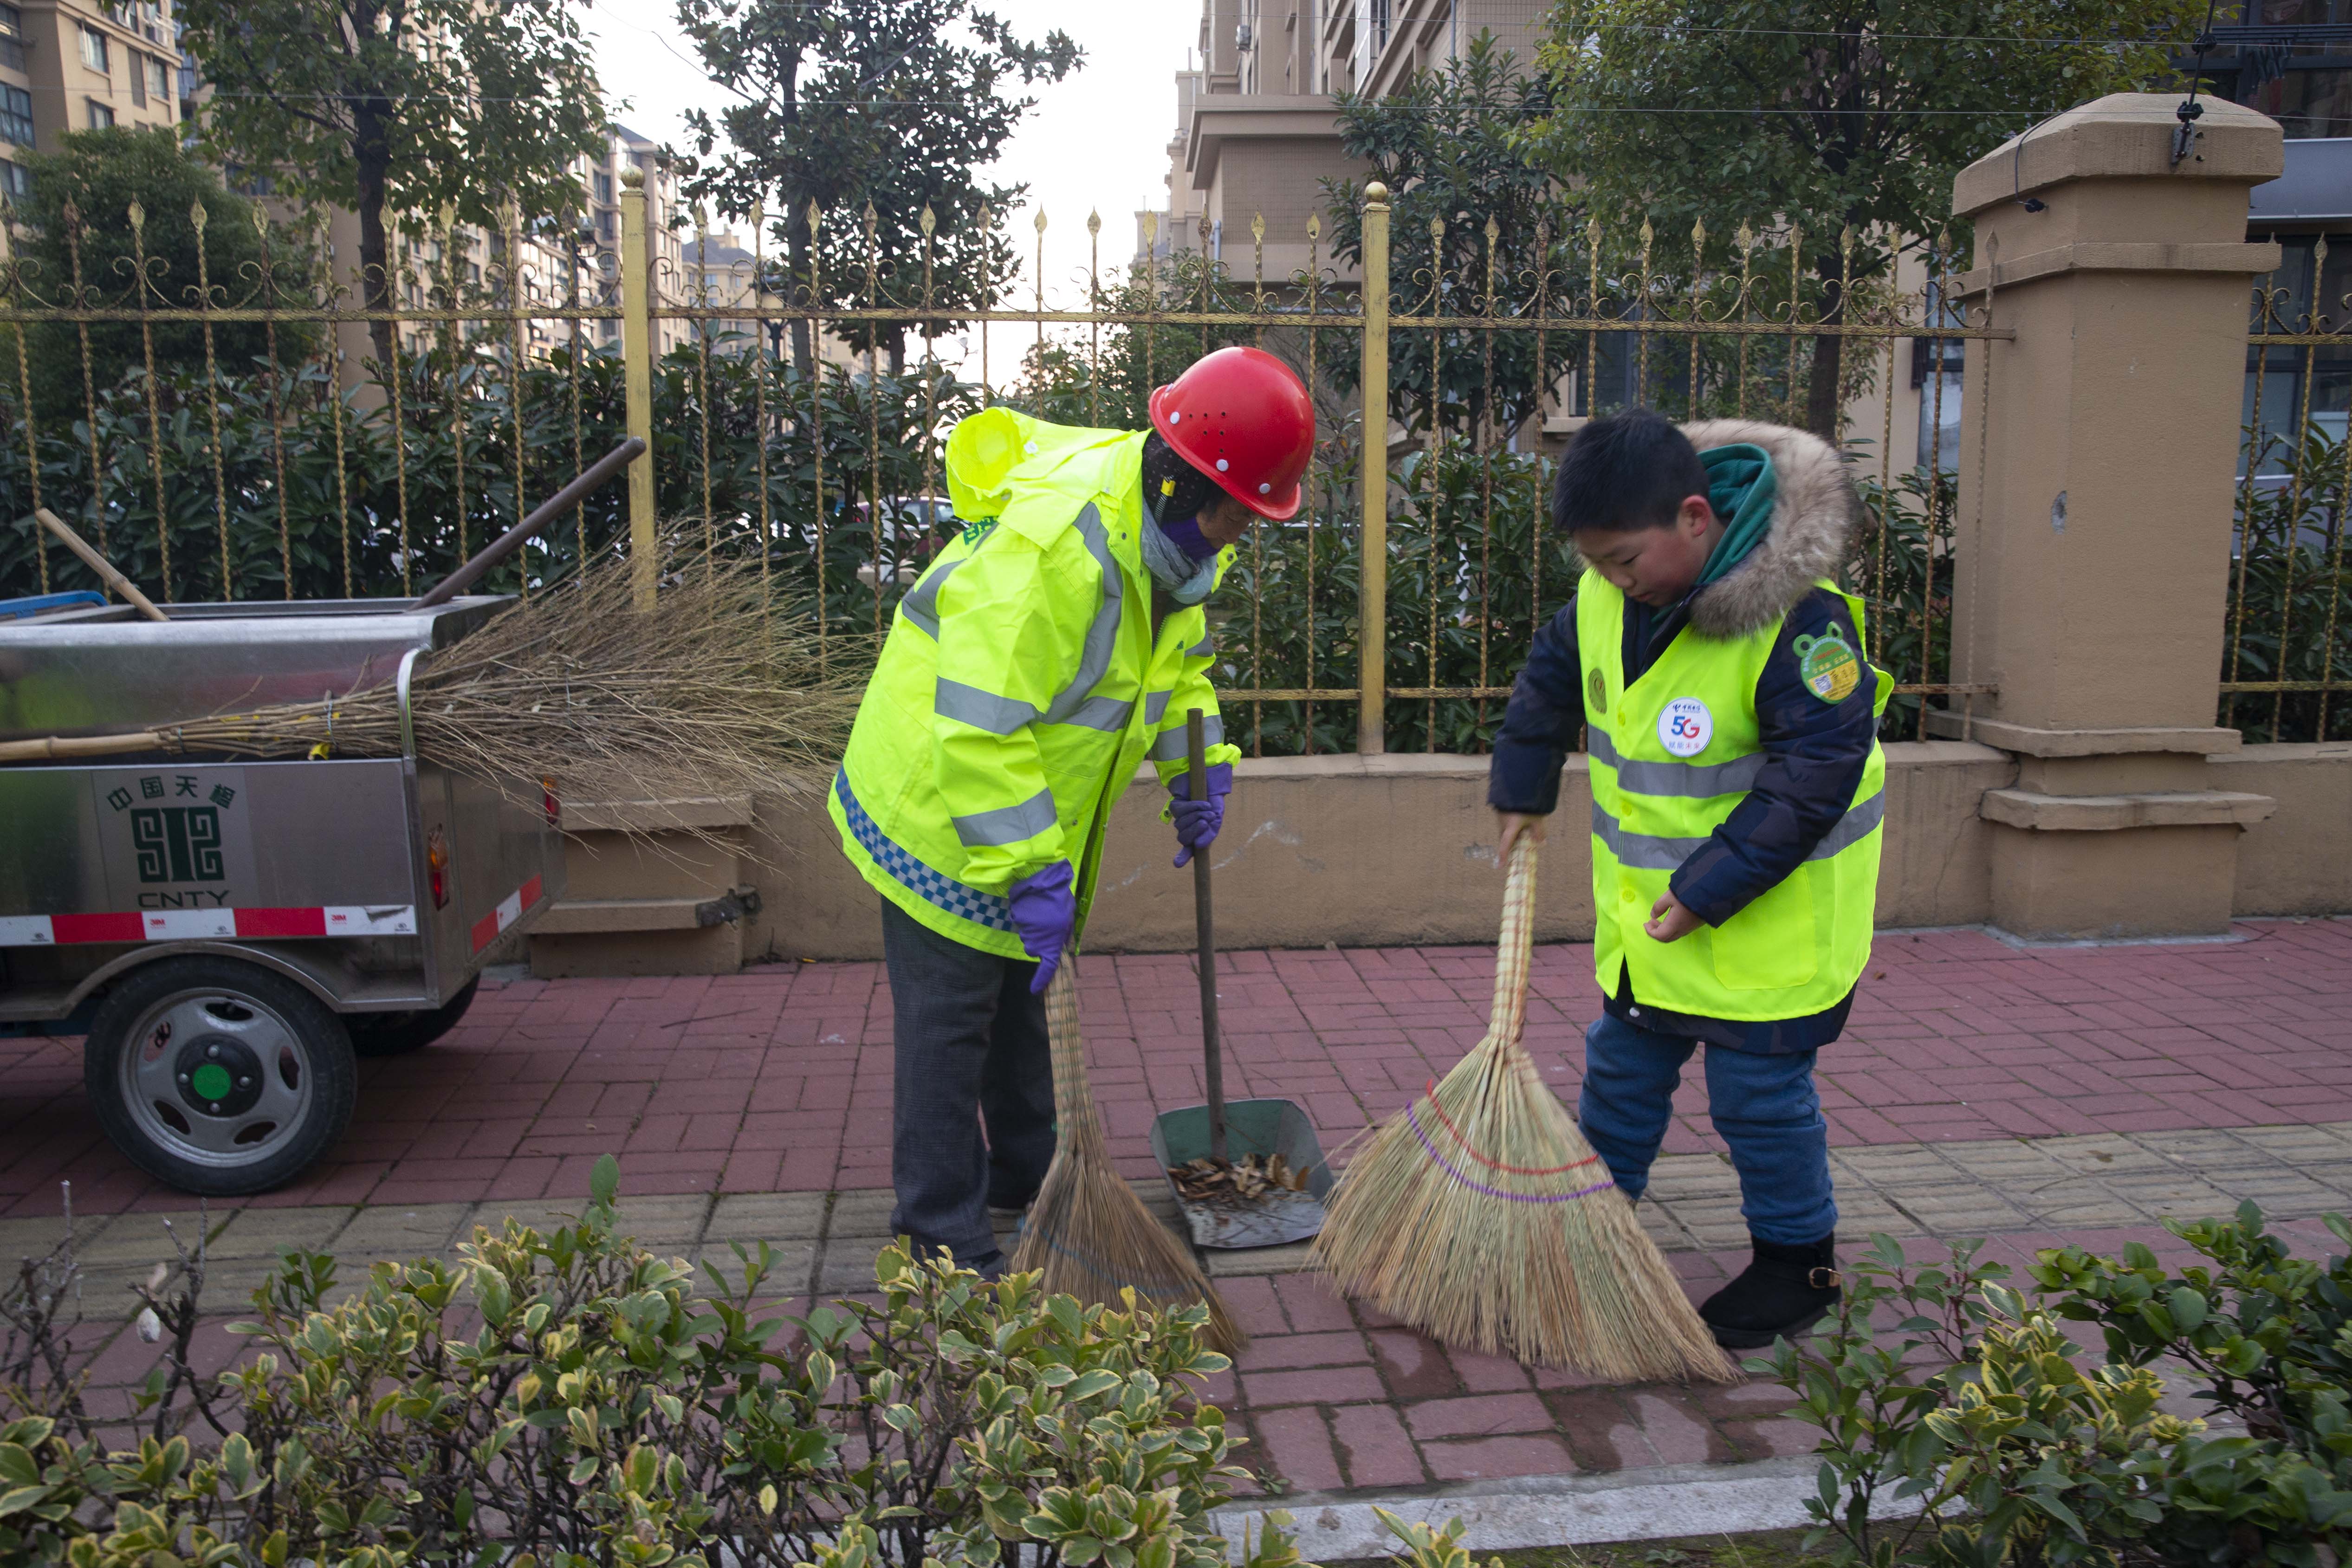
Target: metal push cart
x,y
230,935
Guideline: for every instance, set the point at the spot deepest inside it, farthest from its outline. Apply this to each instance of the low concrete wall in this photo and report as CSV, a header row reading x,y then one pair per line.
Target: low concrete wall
x,y
1373,851
2300,861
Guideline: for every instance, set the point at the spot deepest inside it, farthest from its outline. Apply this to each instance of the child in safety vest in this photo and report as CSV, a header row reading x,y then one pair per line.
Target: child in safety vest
x,y
1731,724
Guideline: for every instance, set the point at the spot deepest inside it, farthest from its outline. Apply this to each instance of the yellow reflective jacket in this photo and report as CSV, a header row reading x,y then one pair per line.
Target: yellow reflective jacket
x,y
1022,683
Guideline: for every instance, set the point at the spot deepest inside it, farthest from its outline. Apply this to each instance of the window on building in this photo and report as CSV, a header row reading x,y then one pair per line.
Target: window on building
x,y
17,117
101,116
138,80
605,186
12,37
15,185
2292,59
1936,368
159,79
2276,374
94,49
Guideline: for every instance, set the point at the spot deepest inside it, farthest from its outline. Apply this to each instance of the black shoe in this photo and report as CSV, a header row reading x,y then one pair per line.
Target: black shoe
x,y
1783,1291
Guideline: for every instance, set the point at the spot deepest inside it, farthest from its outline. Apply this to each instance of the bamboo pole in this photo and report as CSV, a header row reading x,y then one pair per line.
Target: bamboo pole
x,y
98,563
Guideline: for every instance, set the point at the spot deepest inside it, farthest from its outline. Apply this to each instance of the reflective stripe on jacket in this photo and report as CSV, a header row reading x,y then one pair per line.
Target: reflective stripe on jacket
x,y
1671,757
1022,682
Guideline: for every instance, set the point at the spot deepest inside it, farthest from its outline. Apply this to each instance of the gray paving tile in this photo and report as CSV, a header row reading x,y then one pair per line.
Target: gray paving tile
x,y
401,1231
766,1216
863,1211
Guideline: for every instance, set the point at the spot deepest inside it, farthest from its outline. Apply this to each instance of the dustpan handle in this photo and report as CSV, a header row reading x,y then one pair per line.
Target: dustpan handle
x,y
1516,952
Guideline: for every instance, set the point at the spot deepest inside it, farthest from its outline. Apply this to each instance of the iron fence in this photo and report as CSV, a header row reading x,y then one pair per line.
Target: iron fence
x,y
2289,647
273,451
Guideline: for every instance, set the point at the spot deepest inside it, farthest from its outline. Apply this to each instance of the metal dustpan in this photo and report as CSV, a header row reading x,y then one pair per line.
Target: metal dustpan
x,y
1226,1132
1252,1127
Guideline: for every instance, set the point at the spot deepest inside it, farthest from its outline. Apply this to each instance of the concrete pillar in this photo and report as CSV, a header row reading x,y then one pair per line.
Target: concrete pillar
x,y
2094,538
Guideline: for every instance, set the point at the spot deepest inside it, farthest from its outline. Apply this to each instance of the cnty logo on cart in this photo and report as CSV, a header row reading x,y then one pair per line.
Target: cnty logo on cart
x,y
175,839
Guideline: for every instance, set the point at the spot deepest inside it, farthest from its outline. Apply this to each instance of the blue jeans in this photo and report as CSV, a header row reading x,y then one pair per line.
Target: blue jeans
x,y
1765,1106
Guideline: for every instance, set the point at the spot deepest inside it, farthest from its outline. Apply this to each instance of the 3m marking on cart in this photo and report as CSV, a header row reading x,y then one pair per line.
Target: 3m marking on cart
x,y
509,910
377,919
184,925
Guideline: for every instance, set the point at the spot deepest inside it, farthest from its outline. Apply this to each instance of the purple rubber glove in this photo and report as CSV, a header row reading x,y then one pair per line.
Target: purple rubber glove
x,y
1197,821
1044,910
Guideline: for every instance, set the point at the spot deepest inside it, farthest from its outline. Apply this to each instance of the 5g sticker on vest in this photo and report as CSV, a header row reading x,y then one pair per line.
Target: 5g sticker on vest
x,y
1686,727
1828,665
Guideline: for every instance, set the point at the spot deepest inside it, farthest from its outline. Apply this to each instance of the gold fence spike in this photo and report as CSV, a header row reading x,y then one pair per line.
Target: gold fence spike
x,y
1313,226
1150,229
1094,221
1257,226
815,218
927,220
137,213
196,215
1041,220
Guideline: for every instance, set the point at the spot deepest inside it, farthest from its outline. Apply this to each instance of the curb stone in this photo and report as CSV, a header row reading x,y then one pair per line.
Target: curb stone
x,y
1650,1504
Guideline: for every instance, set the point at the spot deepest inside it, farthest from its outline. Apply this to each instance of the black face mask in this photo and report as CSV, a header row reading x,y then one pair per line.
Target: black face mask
x,y
1172,487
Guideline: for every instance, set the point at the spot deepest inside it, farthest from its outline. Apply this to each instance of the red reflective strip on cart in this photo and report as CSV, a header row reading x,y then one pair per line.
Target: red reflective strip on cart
x,y
509,910
98,928
281,922
187,925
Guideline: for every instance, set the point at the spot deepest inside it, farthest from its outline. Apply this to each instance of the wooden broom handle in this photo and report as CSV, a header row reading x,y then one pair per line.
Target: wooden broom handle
x,y
98,563
1516,952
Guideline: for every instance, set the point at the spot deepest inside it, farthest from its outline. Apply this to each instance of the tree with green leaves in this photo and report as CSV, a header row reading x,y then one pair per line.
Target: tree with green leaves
x,y
82,197
1824,117
1445,146
892,107
399,107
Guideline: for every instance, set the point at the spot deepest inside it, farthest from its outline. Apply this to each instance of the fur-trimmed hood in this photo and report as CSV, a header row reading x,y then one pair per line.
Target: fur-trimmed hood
x,y
1813,518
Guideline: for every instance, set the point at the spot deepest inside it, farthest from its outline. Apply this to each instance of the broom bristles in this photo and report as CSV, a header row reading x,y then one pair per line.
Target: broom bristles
x,y
712,692
1480,1215
1087,1233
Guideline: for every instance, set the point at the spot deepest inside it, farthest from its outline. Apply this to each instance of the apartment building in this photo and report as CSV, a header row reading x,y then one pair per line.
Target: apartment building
x,y
1256,135
78,65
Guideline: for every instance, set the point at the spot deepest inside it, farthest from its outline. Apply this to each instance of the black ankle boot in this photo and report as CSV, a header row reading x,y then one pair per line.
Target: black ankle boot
x,y
1784,1290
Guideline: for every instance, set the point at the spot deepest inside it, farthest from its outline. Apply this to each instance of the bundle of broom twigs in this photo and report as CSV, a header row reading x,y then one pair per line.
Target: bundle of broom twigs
x,y
708,693
1088,1232
1480,1215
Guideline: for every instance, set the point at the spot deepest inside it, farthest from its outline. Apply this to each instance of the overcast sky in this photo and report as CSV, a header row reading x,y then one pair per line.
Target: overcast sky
x,y
1097,141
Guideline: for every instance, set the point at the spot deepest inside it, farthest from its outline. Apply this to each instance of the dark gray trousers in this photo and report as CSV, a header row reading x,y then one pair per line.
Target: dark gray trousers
x,y
971,1051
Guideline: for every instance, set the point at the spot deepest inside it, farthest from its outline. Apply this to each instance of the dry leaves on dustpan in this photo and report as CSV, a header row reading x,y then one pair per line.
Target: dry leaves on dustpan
x,y
1250,1177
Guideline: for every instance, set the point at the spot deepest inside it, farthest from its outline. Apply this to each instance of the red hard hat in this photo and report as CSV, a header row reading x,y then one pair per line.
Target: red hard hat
x,y
1241,416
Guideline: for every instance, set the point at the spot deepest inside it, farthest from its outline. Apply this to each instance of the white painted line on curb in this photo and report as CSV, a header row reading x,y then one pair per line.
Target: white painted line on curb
x,y
1555,1511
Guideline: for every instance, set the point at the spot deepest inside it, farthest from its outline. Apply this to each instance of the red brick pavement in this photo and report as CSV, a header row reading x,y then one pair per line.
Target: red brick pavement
x,y
779,1079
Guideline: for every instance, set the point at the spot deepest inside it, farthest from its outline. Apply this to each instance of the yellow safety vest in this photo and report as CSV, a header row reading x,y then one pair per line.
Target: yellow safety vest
x,y
1022,683
1671,756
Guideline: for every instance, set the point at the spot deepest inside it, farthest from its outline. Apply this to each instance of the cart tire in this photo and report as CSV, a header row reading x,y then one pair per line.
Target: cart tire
x,y
182,1030
397,1033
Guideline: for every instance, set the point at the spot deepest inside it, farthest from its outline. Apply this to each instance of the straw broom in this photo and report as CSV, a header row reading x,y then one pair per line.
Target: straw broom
x,y
710,693
1481,1215
1088,1232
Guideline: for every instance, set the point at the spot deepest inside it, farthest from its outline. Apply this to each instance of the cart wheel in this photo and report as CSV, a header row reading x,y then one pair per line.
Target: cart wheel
x,y
397,1033
216,1075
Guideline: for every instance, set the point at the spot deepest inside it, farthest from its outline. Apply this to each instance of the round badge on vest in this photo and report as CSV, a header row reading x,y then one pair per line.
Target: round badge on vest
x,y
1686,727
